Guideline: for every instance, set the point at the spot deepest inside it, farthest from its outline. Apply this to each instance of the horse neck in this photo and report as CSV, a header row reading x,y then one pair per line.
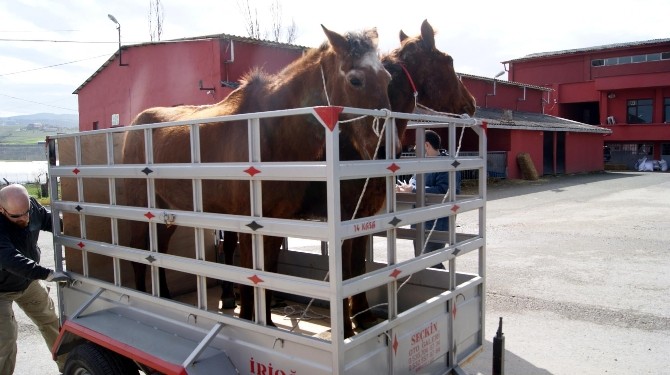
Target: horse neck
x,y
300,84
400,91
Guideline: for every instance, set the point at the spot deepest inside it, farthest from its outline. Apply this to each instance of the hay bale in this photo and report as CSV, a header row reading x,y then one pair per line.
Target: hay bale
x,y
528,171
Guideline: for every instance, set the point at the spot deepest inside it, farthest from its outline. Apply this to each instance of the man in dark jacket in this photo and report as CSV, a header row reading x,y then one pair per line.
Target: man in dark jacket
x,y
21,221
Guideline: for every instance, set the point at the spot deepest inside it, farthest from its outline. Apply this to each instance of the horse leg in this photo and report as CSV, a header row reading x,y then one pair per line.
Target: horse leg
x,y
164,233
271,246
359,302
225,253
139,239
347,248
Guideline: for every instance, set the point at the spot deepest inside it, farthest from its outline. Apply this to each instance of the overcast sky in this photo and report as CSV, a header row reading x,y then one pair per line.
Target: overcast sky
x,y
49,48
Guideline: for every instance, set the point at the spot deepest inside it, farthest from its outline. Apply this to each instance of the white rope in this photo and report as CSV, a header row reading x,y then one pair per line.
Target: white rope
x,y
323,79
375,127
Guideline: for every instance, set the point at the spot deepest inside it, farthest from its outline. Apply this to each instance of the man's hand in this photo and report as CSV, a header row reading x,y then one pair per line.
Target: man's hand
x,y
59,277
403,187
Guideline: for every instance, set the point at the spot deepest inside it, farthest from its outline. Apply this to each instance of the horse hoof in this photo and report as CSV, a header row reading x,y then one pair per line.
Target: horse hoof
x,y
227,303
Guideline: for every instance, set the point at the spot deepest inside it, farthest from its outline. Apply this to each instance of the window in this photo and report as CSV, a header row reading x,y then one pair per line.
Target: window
x,y
640,111
639,58
612,61
653,57
620,60
625,60
666,110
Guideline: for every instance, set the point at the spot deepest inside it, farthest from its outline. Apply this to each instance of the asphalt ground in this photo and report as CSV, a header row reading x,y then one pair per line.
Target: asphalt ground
x,y
578,267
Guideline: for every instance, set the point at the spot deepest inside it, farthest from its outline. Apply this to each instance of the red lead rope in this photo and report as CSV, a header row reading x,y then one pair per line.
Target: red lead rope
x,y
411,82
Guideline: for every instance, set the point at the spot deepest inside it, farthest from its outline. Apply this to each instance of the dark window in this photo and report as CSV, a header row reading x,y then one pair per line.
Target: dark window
x,y
640,111
666,110
597,62
665,55
95,125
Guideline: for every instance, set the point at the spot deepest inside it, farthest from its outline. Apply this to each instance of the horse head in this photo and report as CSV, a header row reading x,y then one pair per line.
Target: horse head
x,y
430,72
355,77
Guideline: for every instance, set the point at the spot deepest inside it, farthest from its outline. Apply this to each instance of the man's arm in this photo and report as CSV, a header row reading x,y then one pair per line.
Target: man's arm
x,y
439,183
43,215
13,261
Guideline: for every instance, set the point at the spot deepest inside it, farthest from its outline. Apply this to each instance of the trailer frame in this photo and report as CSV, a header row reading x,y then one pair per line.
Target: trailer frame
x,y
433,328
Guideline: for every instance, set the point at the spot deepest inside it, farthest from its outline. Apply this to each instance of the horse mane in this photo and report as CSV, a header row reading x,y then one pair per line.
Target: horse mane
x,y
360,42
256,76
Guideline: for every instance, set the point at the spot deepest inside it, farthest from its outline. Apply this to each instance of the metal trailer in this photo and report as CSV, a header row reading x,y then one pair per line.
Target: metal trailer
x,y
431,321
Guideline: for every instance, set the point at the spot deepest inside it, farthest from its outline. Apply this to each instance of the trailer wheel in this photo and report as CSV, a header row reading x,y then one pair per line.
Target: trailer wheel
x,y
91,359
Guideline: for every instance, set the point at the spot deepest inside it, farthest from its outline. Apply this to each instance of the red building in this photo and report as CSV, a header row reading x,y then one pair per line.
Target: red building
x,y
518,123
206,69
624,87
196,71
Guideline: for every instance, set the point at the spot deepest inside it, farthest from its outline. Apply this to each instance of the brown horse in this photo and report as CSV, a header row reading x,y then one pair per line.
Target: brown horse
x,y
416,66
344,71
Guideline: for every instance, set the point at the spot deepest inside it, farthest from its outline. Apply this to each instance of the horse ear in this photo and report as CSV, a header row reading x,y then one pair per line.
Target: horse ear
x,y
403,36
337,41
428,34
373,35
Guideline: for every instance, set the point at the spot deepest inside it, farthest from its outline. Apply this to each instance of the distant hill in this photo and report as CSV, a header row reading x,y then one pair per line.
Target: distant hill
x,y
48,119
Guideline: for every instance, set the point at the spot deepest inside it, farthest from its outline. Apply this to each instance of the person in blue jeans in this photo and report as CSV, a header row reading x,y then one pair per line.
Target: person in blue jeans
x,y
435,183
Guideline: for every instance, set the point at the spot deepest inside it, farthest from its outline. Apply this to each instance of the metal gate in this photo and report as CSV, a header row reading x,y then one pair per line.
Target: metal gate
x,y
432,320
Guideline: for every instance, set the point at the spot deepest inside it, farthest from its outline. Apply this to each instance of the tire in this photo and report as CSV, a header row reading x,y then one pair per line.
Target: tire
x,y
91,359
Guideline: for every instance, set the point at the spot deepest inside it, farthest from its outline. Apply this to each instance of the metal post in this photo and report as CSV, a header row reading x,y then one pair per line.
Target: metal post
x,y
499,351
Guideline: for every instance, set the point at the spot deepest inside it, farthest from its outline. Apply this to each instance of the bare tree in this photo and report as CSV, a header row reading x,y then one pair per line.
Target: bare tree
x,y
275,13
291,32
277,31
250,19
156,16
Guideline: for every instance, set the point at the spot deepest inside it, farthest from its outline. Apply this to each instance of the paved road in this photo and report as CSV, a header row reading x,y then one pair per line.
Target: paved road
x,y
579,269
577,266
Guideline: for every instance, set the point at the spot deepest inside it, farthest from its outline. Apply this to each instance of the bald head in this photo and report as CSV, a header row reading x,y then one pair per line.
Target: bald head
x,y
13,193
14,200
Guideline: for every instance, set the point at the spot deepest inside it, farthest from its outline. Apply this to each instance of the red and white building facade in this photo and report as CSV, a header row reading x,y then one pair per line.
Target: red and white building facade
x,y
623,87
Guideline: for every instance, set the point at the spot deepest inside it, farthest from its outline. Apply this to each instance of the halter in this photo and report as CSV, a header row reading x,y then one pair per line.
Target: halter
x,y
411,82
415,93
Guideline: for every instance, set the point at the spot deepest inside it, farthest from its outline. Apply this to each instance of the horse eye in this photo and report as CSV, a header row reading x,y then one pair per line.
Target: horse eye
x,y
356,82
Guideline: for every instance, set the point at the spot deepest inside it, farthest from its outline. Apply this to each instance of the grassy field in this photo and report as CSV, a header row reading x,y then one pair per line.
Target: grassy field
x,y
18,135
35,192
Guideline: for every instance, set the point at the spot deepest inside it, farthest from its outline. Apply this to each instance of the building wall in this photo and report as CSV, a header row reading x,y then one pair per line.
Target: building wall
x,y
169,74
588,158
506,96
579,87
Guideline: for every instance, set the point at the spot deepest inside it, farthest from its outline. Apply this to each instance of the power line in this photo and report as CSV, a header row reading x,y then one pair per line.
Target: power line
x,y
51,66
54,41
38,31
34,102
